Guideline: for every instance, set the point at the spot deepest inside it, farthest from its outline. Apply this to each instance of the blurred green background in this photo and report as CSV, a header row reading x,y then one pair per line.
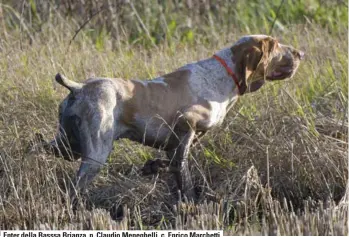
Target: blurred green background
x,y
149,22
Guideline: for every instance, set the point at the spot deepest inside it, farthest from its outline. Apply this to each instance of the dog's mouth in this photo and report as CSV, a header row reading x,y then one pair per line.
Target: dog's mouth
x,y
281,73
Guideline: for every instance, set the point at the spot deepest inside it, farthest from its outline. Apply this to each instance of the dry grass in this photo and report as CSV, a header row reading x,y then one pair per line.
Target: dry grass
x,y
278,164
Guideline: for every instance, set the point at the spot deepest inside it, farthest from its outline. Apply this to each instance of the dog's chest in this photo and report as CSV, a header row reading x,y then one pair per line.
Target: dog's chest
x,y
219,110
214,86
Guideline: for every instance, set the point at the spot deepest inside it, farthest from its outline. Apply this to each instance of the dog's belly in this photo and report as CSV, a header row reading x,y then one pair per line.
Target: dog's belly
x,y
152,132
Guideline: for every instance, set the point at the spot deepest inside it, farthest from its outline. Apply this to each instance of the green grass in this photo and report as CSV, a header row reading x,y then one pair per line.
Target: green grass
x,y
278,164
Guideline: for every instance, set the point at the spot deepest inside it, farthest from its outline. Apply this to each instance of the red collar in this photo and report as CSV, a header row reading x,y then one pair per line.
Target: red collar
x,y
232,74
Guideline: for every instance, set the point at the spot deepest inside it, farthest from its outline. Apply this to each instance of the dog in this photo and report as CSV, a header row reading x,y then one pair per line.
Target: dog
x,y
169,112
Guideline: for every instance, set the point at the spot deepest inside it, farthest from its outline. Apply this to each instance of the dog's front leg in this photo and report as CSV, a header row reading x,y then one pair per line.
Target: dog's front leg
x,y
179,164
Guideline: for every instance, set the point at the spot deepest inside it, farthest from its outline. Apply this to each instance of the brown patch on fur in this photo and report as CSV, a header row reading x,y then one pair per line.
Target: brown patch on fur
x,y
162,100
170,102
198,115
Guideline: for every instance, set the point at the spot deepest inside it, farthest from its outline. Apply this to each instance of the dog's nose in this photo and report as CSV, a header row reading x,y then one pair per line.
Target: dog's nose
x,y
300,54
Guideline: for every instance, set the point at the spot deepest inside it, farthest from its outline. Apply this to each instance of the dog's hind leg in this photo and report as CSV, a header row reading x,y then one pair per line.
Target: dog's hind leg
x,y
61,147
96,144
66,142
88,170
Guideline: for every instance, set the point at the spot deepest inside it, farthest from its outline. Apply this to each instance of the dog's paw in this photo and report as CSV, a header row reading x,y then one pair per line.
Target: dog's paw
x,y
155,166
39,137
36,143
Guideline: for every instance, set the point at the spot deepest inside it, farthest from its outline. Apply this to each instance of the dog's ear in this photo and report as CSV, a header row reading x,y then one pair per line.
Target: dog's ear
x,y
255,85
252,56
70,85
269,46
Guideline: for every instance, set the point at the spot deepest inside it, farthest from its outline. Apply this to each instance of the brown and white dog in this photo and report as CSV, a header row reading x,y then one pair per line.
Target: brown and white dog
x,y
168,112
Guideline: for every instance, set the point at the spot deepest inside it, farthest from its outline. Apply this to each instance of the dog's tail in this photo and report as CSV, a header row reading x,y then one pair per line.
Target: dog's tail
x,y
70,85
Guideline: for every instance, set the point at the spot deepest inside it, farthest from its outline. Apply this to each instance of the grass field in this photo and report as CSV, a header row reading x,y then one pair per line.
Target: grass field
x,y
278,164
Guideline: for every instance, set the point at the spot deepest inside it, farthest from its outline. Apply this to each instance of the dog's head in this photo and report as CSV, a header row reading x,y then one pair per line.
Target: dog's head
x,y
260,58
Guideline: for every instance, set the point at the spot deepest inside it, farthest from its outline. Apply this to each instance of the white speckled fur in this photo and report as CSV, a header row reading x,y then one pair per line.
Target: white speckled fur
x,y
210,80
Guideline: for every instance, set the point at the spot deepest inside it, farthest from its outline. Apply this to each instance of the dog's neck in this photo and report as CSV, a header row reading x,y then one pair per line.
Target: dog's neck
x,y
211,63
210,80
227,55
